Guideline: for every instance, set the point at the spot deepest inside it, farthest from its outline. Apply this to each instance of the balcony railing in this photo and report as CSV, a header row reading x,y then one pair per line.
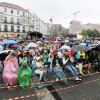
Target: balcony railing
x,y
12,22
18,31
18,23
24,31
5,30
5,21
12,30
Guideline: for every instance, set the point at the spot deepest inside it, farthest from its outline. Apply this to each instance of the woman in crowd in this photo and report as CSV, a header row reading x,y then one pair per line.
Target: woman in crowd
x,y
57,64
10,69
24,74
67,61
22,58
40,70
77,64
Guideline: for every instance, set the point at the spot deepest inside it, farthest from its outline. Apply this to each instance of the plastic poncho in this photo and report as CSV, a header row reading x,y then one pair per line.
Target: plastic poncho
x,y
46,55
82,54
24,75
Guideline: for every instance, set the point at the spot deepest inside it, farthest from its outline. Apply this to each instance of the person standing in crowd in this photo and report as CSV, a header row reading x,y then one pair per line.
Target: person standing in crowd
x,y
67,61
24,75
10,69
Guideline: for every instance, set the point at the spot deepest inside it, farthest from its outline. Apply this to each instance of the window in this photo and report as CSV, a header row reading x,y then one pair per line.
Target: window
x,y
5,10
18,21
17,12
1,18
24,21
5,28
5,19
11,11
12,20
23,13
24,29
12,28
18,28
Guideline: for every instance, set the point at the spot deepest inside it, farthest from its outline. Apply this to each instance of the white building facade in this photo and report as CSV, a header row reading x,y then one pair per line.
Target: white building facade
x,y
15,20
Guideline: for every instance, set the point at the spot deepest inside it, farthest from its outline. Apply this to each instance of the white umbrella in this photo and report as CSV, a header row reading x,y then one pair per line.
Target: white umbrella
x,y
98,42
32,45
65,48
67,41
6,51
39,42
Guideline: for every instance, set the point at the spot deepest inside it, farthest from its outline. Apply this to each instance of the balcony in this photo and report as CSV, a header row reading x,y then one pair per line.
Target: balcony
x,y
5,21
18,31
24,31
12,30
18,23
11,22
5,30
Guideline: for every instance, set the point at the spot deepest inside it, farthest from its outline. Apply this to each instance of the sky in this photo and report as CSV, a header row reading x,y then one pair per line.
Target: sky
x,y
62,10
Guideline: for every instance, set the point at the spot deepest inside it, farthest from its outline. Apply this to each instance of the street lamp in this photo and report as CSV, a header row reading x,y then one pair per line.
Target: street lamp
x,y
51,20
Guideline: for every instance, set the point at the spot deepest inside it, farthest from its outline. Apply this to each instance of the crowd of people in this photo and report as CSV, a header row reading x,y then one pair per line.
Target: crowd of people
x,y
23,61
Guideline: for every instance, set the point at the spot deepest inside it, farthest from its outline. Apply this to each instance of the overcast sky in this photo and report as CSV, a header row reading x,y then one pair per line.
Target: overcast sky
x,y
62,9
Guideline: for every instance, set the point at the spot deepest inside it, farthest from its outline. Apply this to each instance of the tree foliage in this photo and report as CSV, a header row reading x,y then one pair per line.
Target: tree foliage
x,y
90,33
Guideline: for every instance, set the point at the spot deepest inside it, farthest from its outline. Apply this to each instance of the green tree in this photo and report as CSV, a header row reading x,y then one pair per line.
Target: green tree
x,y
84,33
90,33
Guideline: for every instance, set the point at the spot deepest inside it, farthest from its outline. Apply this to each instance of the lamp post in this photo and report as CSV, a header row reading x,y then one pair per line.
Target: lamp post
x,y
51,20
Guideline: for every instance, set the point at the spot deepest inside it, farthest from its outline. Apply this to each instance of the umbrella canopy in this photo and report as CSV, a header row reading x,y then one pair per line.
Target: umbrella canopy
x,y
88,41
13,38
51,41
80,47
39,42
46,42
9,42
65,48
28,41
32,45
83,44
98,42
3,54
6,51
70,44
28,52
67,41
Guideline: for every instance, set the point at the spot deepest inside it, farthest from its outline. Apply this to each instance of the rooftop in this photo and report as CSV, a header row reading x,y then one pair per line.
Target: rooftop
x,y
9,5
